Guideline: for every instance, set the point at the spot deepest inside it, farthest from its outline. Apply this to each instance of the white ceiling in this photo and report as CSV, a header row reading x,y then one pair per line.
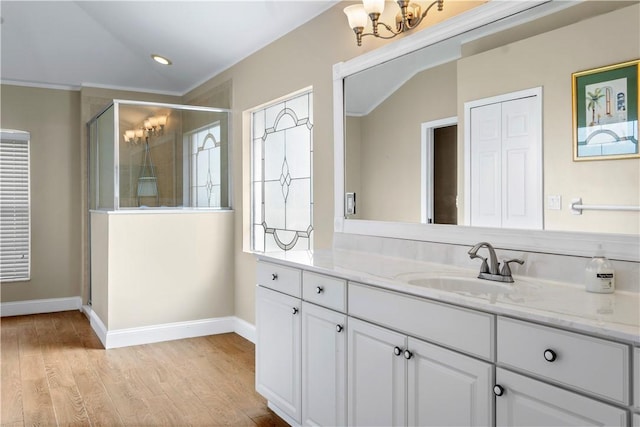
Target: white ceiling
x,y
109,43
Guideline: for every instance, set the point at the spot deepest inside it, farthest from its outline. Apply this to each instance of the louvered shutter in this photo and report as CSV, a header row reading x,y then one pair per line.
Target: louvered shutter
x,y
15,227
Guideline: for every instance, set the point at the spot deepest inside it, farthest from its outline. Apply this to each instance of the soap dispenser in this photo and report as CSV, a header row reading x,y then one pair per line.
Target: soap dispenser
x,y
599,275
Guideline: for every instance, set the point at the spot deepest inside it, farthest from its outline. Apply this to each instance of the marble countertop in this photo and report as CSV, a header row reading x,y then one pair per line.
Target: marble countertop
x,y
614,316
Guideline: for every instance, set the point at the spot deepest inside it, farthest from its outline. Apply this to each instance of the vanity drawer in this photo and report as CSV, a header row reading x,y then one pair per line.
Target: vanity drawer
x,y
461,329
324,290
590,364
280,278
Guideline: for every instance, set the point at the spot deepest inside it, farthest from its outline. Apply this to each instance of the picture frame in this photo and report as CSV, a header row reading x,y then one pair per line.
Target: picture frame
x,y
605,112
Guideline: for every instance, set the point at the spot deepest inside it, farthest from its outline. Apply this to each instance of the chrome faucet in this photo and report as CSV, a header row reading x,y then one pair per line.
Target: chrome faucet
x,y
491,270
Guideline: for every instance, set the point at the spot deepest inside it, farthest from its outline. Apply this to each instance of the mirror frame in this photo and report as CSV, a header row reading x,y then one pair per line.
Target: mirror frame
x,y
625,247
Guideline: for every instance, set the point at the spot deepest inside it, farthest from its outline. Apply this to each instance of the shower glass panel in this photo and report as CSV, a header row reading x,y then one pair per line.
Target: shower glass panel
x,y
162,156
101,149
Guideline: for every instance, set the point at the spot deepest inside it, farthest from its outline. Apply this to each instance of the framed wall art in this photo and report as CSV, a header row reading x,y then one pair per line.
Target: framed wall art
x,y
605,112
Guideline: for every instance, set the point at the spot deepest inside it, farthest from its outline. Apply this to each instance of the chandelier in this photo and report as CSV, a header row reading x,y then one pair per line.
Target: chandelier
x,y
409,17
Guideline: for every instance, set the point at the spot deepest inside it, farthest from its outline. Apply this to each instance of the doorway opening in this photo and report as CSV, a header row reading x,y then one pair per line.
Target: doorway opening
x,y
439,192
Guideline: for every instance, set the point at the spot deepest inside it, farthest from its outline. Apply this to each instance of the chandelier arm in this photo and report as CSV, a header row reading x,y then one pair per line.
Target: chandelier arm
x,y
388,28
424,14
380,36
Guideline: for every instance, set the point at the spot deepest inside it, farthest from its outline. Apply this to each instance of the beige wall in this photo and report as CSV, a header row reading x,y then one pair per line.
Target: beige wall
x,y
100,265
162,267
353,160
548,60
391,144
51,116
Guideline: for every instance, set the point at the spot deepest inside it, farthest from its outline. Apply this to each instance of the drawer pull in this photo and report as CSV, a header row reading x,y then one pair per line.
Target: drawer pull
x,y
498,390
295,310
339,328
274,276
550,355
319,289
397,351
407,354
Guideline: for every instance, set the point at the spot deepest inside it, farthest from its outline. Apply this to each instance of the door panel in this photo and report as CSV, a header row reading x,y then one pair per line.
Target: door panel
x,y
324,366
505,170
527,402
278,350
447,388
377,377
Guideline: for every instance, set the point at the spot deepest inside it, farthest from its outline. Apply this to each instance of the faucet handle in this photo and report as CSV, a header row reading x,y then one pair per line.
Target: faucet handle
x,y
506,270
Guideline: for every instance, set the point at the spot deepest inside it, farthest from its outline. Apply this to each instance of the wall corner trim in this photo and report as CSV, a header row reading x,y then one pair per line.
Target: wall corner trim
x,y
170,331
38,306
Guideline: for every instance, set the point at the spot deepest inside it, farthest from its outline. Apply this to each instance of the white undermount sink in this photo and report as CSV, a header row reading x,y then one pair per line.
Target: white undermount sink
x,y
466,285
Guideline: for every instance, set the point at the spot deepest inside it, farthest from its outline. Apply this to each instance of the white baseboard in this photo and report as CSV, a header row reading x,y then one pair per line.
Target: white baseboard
x,y
39,306
169,331
245,329
96,324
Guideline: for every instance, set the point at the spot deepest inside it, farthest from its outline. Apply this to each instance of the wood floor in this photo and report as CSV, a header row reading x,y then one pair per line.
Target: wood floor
x,y
55,372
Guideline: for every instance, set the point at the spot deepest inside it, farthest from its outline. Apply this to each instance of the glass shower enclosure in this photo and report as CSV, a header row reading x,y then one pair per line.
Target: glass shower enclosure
x,y
145,155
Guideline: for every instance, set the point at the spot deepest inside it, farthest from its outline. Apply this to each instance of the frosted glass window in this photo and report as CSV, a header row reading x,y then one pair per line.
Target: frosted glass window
x,y
281,175
205,167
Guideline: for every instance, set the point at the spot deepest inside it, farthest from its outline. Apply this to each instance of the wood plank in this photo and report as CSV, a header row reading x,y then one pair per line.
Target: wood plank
x,y
11,390
37,404
28,337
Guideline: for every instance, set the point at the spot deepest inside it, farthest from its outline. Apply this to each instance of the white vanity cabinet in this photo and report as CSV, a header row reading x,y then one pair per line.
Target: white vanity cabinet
x,y
396,379
332,353
278,337
522,401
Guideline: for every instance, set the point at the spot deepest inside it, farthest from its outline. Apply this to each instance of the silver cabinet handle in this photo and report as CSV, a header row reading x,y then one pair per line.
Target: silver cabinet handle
x,y
498,390
407,354
339,328
295,310
319,289
274,276
550,355
397,351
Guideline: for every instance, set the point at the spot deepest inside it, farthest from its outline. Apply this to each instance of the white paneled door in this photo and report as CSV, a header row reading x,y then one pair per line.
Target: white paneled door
x,y
505,168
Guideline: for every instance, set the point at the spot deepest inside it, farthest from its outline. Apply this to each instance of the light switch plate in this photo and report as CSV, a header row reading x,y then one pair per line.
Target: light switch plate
x,y
350,204
554,203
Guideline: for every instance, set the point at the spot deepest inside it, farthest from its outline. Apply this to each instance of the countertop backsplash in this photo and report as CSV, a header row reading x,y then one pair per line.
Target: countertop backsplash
x,y
561,268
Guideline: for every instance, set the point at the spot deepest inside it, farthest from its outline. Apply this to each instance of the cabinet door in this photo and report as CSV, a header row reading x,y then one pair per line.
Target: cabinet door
x,y
376,376
527,402
278,350
447,388
324,366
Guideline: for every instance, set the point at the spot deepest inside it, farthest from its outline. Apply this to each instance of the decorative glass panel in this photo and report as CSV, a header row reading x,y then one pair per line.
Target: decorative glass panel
x,y
205,164
282,158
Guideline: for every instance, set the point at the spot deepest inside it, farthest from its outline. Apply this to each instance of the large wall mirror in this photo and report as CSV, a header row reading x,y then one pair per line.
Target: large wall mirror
x,y
407,116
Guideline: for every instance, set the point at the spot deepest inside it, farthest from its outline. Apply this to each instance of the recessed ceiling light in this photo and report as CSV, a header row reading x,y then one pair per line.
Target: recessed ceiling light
x,y
161,59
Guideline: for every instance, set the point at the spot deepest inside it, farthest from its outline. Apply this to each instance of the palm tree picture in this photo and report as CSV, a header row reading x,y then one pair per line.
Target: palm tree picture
x,y
593,101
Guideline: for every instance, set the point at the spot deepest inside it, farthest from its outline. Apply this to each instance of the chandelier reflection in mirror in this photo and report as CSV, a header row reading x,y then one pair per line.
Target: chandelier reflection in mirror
x,y
409,17
147,180
153,126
